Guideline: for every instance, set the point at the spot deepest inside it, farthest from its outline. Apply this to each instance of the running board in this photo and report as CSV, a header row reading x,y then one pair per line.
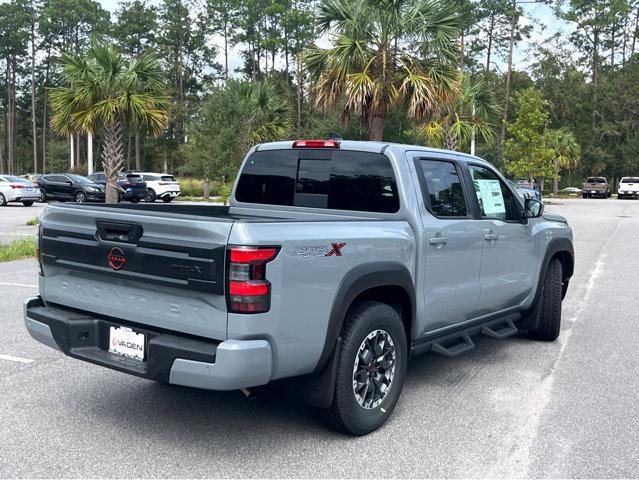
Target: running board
x,y
459,341
452,347
501,329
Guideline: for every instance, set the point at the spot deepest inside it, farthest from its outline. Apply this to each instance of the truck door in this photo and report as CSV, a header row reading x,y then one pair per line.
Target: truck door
x,y
509,257
452,247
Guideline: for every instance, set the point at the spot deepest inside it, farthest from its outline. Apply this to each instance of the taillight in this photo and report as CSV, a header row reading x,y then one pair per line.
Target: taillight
x,y
248,289
315,144
38,253
17,185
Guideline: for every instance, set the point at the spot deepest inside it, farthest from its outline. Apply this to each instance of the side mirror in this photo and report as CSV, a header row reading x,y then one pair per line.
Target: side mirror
x,y
533,208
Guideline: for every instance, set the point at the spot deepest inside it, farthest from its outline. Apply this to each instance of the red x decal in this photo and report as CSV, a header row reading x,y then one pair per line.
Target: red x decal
x,y
337,250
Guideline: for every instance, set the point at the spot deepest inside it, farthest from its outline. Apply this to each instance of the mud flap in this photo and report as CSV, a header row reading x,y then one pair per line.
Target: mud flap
x,y
318,390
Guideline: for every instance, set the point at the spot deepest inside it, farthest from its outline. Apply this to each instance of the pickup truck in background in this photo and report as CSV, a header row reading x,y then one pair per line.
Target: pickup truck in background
x,y
628,188
596,187
335,262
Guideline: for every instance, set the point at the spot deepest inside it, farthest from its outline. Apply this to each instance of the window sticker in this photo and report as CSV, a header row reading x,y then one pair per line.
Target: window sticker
x,y
490,197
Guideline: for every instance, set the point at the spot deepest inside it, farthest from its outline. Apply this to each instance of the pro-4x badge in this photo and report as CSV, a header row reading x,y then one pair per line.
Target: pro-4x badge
x,y
309,251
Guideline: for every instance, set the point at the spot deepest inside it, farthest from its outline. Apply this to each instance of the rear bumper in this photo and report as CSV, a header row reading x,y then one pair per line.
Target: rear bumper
x,y
18,196
173,358
135,194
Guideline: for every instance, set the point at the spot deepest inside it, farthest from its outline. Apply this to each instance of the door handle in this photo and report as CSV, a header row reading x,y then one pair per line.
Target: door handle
x,y
439,241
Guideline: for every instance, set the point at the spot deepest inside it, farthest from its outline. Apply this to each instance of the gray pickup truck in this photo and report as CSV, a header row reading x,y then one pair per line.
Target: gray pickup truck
x,y
335,262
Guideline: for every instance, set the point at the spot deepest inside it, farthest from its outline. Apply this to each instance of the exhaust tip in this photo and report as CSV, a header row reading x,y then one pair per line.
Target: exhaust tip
x,y
250,393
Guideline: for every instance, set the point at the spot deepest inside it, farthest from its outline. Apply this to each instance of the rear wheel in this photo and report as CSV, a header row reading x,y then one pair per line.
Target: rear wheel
x,y
135,200
619,196
167,199
28,203
550,313
584,195
80,197
3,200
371,369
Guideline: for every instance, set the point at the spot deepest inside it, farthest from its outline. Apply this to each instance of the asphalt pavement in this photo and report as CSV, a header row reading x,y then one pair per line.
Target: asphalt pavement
x,y
509,408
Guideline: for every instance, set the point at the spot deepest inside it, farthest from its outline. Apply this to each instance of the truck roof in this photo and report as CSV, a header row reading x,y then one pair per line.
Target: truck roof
x,y
373,147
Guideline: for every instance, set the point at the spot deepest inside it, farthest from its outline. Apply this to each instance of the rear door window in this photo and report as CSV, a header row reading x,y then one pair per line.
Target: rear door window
x,y
339,180
445,193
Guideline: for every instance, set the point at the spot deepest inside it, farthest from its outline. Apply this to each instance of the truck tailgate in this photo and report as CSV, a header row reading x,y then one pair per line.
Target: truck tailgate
x,y
145,267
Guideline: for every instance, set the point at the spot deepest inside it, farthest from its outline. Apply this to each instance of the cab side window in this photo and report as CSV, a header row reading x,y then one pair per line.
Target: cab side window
x,y
495,199
444,189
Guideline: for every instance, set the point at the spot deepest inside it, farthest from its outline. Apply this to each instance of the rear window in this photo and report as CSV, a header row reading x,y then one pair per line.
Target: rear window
x,y
596,180
339,180
11,178
168,178
630,180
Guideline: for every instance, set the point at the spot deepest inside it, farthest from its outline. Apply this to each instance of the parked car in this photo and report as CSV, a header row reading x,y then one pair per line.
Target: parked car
x,y
17,189
596,187
69,186
571,190
160,185
525,192
628,187
132,183
335,263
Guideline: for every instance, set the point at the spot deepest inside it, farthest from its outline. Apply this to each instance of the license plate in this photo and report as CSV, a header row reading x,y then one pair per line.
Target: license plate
x,y
124,341
29,189
593,191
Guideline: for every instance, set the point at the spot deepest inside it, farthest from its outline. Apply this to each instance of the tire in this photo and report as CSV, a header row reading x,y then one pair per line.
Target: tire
x,y
608,194
43,196
167,199
28,203
366,322
619,196
3,200
550,313
584,195
135,200
80,197
150,196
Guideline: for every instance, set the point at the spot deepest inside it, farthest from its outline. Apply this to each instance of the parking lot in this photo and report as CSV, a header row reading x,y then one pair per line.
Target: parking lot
x,y
510,408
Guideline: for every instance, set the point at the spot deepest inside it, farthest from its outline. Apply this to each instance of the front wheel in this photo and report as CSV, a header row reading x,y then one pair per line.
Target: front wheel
x,y
550,313
3,200
80,197
149,196
43,196
28,203
371,369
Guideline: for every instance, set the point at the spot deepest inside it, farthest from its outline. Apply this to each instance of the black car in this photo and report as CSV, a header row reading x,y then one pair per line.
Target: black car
x,y
133,185
68,186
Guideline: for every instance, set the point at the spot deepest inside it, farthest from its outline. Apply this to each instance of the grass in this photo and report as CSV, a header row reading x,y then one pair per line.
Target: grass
x,y
17,249
186,198
32,222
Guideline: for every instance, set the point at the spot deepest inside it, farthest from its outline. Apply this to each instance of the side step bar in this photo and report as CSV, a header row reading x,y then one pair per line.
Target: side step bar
x,y
459,341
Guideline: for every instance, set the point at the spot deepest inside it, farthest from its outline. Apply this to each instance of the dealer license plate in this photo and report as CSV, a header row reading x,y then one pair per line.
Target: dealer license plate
x,y
124,341
593,191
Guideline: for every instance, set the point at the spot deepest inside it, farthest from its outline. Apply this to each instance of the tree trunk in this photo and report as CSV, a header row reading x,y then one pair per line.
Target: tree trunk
x,y
634,35
206,189
112,157
34,128
299,88
504,119
226,52
89,153
9,118
376,133
44,112
137,150
555,183
128,151
72,150
490,41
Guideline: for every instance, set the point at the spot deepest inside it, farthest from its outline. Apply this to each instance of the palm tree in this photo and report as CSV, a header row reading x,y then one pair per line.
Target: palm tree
x,y
104,90
269,115
467,115
386,53
566,152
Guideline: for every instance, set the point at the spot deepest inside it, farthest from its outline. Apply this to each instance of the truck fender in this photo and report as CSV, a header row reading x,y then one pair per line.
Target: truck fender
x,y
317,388
563,246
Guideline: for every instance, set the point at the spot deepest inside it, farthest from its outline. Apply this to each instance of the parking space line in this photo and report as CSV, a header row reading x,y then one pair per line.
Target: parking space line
x,y
11,358
8,284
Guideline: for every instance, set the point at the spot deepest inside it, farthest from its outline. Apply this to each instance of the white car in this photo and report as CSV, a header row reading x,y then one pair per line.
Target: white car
x,y
160,185
628,187
16,189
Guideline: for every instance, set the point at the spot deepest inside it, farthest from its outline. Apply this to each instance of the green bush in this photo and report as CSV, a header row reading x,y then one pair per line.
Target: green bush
x,y
191,187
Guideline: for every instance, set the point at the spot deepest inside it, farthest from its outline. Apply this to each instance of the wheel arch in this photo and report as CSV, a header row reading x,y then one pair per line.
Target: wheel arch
x,y
387,282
